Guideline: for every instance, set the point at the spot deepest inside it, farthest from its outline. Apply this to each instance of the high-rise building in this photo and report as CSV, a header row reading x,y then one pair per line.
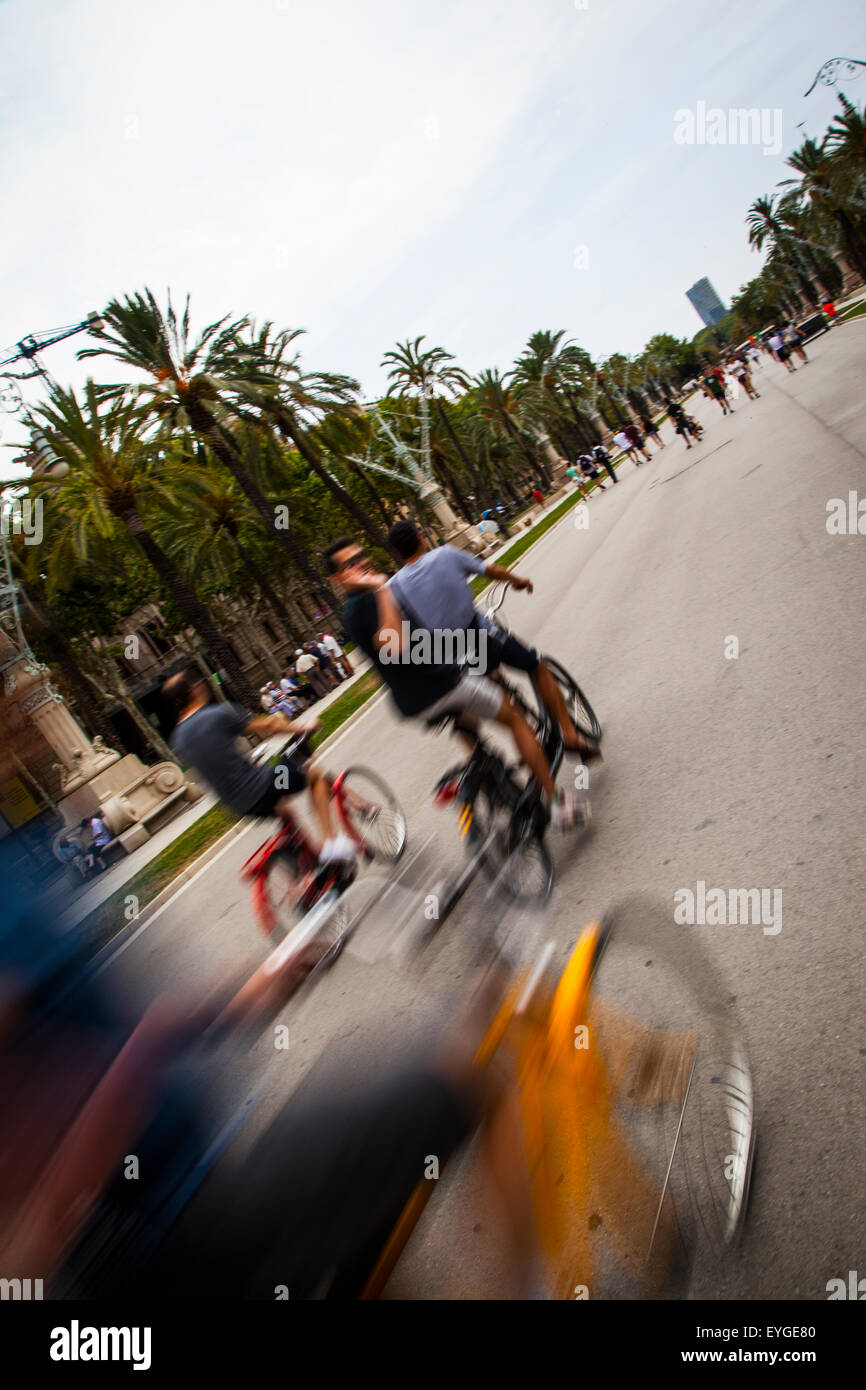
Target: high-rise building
x,y
706,302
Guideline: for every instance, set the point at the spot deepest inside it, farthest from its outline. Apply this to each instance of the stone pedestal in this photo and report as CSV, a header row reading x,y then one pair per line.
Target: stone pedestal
x,y
94,779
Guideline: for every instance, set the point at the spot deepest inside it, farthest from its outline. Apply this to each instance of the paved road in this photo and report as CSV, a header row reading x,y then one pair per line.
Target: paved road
x,y
743,772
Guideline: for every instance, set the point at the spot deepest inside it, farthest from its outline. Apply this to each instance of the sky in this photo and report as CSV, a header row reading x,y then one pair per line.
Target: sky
x,y
372,170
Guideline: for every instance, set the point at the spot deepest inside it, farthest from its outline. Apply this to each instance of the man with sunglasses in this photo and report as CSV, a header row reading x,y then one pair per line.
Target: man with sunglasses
x,y
374,620
205,736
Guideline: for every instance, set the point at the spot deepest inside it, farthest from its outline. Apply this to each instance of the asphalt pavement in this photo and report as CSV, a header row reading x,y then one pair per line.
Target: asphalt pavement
x,y
717,627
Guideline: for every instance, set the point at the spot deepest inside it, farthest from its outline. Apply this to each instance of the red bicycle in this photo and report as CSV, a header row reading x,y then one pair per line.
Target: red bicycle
x,y
287,879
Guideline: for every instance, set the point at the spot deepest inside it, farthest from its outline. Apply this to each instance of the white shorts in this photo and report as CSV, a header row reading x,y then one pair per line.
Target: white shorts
x,y
475,695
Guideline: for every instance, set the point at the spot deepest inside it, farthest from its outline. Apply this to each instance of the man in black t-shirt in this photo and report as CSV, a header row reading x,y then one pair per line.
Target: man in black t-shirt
x,y
205,736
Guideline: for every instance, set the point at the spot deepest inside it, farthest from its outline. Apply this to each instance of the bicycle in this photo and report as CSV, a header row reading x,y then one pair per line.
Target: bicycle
x,y
594,1084
288,881
504,821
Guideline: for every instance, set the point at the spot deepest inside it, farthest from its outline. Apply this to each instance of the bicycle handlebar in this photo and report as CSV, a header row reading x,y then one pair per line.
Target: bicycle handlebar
x,y
497,602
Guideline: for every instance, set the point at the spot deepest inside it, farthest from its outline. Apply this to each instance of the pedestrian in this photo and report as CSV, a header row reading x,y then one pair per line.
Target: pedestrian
x,y
739,369
679,421
622,441
307,666
714,384
538,496
829,311
634,434
794,340
780,350
601,456
295,689
71,853
649,429
99,838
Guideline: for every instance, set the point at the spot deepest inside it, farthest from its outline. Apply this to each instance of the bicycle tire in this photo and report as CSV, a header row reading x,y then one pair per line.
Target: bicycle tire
x,y
580,711
665,988
383,834
276,894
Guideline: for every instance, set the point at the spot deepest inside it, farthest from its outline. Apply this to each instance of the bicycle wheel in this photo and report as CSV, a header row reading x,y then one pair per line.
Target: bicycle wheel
x,y
580,711
371,813
515,855
278,893
682,1085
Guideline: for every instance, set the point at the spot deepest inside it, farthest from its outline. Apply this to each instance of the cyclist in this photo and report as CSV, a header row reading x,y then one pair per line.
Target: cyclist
x,y
432,587
205,737
308,1208
374,621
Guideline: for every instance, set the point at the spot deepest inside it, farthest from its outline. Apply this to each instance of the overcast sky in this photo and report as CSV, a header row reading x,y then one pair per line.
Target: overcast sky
x,y
370,170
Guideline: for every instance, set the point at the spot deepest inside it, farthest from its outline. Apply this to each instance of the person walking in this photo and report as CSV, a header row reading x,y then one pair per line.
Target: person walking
x,y
793,339
678,419
650,430
623,442
600,454
307,667
634,434
714,385
780,350
739,369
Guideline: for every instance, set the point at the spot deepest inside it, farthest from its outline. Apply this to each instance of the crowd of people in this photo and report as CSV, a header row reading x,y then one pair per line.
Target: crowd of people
x,y
319,667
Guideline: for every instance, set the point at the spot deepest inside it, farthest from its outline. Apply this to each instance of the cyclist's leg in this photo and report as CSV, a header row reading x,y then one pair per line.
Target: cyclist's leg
x,y
508,650
481,698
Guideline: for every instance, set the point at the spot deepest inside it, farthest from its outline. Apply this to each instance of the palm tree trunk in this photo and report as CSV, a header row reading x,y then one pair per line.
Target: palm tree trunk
x,y
290,431
272,599
191,607
376,499
208,427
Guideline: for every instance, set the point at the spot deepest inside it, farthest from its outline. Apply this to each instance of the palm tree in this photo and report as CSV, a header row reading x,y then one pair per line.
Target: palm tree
x,y
432,374
498,402
210,537
825,183
292,400
203,385
113,479
767,226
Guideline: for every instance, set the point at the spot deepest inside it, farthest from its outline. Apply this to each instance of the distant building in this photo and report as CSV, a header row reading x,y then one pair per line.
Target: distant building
x,y
706,302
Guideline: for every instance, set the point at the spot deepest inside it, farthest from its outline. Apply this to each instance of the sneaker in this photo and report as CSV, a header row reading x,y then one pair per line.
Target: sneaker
x,y
339,850
564,811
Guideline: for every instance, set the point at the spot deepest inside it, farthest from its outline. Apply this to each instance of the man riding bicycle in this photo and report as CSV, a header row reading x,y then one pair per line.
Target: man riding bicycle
x,y
374,619
432,588
205,736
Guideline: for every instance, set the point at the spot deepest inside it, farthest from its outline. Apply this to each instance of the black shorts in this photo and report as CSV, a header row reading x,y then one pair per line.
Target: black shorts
x,y
505,650
292,781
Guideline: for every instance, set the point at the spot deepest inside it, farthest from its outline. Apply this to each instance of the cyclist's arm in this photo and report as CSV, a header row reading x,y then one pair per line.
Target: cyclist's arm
x,y
267,724
504,576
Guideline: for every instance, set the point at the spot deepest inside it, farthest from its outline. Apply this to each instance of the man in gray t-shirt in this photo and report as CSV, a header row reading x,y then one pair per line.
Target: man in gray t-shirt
x,y
205,736
432,589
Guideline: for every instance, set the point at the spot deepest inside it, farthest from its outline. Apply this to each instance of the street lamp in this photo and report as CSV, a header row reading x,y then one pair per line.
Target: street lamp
x,y
27,349
829,72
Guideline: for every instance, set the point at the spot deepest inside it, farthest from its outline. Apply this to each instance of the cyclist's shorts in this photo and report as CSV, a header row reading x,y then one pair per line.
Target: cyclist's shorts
x,y
505,650
474,695
292,779
311,1206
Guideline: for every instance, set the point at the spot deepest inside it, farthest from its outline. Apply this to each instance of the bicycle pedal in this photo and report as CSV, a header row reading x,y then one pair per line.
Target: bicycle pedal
x,y
445,795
